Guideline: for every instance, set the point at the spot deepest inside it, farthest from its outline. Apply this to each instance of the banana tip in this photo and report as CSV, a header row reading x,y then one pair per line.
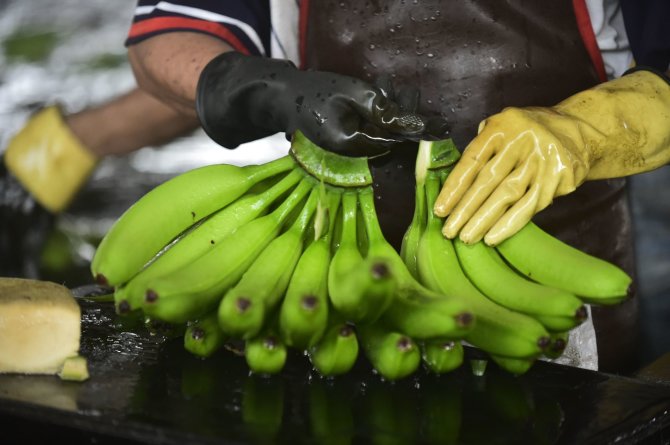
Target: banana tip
x,y
309,302
581,314
346,330
243,304
464,319
559,345
151,296
543,342
101,279
123,307
197,333
380,270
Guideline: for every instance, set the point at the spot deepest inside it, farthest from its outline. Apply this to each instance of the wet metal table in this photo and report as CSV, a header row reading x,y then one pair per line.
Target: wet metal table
x,y
145,388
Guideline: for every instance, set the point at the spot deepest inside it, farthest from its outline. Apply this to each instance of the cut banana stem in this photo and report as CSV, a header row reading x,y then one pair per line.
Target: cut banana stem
x,y
337,351
442,355
203,337
497,329
245,307
392,354
136,237
208,235
197,287
547,260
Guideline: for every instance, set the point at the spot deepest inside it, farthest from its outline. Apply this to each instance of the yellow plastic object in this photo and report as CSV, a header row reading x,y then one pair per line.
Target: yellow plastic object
x,y
524,157
49,160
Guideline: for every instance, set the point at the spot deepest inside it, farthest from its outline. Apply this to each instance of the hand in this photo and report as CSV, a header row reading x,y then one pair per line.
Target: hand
x,y
242,98
524,157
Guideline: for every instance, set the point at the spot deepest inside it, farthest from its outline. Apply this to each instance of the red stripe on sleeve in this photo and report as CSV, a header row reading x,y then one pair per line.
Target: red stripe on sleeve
x,y
173,23
589,38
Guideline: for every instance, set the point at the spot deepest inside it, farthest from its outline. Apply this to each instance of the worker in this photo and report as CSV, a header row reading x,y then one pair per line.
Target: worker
x,y
471,60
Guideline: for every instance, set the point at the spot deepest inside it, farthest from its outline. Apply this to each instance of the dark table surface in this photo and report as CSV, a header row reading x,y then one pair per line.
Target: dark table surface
x,y
145,388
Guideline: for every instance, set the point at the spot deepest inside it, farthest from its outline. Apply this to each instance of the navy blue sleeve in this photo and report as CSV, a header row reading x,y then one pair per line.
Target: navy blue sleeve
x,y
243,24
647,25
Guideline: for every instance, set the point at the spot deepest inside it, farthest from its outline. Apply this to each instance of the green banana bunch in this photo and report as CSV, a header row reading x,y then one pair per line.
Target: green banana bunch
x,y
198,286
202,238
244,308
180,202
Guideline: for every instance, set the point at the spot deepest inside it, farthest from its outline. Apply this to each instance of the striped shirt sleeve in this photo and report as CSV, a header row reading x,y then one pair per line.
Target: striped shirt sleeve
x,y
243,24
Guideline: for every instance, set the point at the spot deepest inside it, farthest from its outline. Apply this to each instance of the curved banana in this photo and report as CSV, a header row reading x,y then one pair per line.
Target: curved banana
x,y
244,308
497,330
303,316
198,287
495,279
547,260
136,237
206,236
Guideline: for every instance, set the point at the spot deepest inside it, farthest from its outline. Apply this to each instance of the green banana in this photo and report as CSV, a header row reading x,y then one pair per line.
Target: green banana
x,y
497,330
245,307
514,365
547,260
337,351
412,309
205,237
266,353
136,237
392,354
442,355
495,279
203,337
559,324
303,316
345,294
197,287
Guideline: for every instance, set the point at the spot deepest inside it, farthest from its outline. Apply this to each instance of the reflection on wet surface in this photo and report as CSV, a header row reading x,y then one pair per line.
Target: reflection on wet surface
x,y
144,381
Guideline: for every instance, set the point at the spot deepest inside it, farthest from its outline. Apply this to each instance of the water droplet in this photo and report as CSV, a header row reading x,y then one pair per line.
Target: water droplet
x,y
397,51
391,30
417,40
372,47
415,2
429,101
430,55
432,17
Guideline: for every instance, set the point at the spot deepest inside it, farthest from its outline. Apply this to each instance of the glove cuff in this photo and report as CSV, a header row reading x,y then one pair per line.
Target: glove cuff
x,y
49,160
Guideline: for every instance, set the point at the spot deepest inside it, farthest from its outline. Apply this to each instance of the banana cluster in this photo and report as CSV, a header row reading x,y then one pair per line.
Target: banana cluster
x,y
290,254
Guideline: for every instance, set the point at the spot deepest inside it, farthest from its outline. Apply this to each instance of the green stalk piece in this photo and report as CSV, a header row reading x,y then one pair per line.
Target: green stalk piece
x,y
329,167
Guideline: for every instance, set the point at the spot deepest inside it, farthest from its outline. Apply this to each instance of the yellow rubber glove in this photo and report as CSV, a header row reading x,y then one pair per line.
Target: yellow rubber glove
x,y
524,157
49,160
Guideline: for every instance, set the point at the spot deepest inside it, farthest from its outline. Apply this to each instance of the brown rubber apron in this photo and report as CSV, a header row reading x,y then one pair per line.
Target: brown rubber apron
x,y
470,59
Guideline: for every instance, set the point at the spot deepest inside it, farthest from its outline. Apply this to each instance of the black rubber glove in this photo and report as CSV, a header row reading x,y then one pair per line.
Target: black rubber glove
x,y
24,228
243,98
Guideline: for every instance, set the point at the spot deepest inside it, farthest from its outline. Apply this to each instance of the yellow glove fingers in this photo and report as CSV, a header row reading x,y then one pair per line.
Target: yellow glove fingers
x,y
488,180
475,156
515,218
509,192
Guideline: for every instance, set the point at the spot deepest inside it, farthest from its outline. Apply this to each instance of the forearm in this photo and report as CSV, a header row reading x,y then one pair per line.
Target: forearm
x,y
128,123
168,66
